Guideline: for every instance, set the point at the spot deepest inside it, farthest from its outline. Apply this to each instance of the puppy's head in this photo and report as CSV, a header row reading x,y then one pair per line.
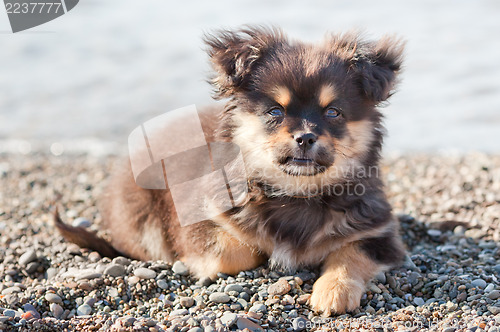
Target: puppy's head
x,y
302,112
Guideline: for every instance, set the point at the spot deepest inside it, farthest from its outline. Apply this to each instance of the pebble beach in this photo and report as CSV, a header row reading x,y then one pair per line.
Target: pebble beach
x,y
448,206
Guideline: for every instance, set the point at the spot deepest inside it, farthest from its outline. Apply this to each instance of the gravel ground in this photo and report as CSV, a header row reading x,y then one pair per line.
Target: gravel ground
x,y
449,207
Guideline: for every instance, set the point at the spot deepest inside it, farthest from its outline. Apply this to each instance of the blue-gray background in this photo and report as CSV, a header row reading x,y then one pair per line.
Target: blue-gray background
x,y
86,79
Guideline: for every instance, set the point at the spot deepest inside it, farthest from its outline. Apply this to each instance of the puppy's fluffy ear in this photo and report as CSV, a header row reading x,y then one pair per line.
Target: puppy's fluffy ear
x,y
234,53
378,64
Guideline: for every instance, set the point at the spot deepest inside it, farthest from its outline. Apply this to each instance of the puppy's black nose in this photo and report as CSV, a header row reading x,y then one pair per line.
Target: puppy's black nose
x,y
305,140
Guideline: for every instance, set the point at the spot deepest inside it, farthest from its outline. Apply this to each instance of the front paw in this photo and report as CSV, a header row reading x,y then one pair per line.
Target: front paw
x,y
336,295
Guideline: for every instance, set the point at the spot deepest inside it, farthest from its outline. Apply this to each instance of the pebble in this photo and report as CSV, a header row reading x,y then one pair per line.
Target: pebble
x,y
56,310
494,294
83,310
115,270
258,307
229,319
204,282
88,275
245,323
144,273
299,324
121,260
419,301
81,222
434,232
196,329
28,257
479,283
9,313
162,284
180,269
179,312
495,310
186,301
30,308
53,298
233,288
280,287
219,297
302,299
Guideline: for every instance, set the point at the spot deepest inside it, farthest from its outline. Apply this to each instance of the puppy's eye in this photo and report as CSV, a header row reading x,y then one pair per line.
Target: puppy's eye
x,y
275,112
333,112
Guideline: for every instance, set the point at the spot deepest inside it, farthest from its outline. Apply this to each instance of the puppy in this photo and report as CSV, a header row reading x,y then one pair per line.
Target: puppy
x,y
305,118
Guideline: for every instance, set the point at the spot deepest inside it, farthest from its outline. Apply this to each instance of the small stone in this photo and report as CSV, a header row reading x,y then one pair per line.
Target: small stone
x,y
303,298
88,274
233,288
32,267
121,260
94,256
30,308
480,283
434,233
56,310
85,285
115,270
205,282
162,284
186,302
53,298
450,329
489,288
81,222
245,323
28,257
280,287
258,307
196,329
145,273
219,297
369,309
374,288
299,324
381,277
494,309
408,264
494,294
497,268
51,273
179,312
419,301
229,319
255,315
180,269
9,313
461,297
84,310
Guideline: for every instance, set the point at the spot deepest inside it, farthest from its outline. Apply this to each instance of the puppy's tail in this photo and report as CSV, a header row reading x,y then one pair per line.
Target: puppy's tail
x,y
84,238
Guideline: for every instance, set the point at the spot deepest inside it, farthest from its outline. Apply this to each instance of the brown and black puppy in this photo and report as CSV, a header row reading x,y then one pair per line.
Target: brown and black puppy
x,y
305,119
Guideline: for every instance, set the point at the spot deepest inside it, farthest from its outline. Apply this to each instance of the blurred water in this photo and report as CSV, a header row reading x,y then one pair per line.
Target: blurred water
x,y
88,78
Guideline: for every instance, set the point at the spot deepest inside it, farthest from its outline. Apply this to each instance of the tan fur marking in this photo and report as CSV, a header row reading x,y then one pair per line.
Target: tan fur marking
x,y
229,256
340,287
326,95
282,95
358,139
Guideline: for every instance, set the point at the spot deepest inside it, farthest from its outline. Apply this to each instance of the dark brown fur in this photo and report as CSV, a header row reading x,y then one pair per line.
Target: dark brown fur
x,y
352,236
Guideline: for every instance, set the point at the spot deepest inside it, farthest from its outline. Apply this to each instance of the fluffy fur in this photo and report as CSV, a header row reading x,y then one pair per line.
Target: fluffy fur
x,y
305,118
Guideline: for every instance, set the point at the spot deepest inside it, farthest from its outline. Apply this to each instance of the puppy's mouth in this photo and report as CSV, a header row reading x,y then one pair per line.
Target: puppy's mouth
x,y
300,166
